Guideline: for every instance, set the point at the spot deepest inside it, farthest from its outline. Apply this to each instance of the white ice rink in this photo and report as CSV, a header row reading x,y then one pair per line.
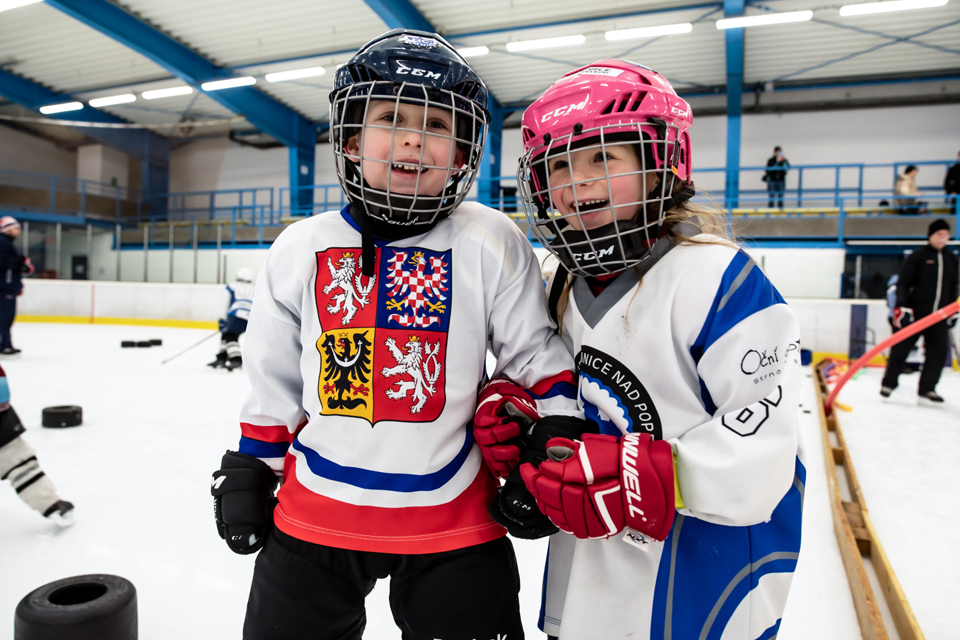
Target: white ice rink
x,y
138,471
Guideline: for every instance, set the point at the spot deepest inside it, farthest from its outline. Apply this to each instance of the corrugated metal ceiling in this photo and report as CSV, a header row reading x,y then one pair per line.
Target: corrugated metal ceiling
x,y
255,37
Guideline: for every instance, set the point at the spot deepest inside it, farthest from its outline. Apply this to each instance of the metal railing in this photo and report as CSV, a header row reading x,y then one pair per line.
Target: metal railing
x,y
57,195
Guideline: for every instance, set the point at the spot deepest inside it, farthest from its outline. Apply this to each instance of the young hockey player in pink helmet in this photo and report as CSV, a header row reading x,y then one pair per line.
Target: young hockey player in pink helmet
x,y
681,518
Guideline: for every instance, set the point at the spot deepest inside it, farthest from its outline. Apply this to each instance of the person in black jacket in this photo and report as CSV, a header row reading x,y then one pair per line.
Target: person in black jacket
x,y
951,184
12,267
928,281
776,177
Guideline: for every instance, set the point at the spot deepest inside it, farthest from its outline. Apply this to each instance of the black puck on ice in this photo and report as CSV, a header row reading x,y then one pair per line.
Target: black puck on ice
x,y
82,608
62,416
156,342
143,343
125,344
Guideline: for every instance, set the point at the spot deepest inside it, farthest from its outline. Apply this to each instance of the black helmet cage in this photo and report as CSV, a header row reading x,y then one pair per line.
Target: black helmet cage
x,y
396,68
620,244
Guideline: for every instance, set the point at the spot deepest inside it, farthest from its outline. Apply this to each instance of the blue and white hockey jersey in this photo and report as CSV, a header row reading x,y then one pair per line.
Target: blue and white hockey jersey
x,y
705,355
239,299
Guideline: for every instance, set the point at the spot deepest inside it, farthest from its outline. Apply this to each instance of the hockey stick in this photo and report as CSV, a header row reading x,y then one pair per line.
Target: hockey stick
x,y
217,332
911,329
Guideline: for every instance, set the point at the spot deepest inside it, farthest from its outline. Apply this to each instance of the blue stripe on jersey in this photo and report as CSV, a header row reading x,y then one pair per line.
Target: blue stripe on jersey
x,y
565,389
4,389
259,449
739,296
383,481
543,592
743,291
771,632
706,570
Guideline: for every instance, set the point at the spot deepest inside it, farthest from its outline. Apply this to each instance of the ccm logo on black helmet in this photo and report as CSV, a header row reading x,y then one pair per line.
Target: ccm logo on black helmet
x,y
403,69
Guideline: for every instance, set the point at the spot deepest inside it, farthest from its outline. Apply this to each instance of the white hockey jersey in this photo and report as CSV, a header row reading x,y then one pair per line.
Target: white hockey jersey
x,y
239,298
363,389
705,355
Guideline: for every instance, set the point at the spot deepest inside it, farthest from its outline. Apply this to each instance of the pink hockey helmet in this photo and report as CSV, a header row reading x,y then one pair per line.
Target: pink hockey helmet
x,y
610,102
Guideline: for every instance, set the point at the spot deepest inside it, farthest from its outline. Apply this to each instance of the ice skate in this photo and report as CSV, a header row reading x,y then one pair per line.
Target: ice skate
x,y
233,363
931,399
220,362
61,513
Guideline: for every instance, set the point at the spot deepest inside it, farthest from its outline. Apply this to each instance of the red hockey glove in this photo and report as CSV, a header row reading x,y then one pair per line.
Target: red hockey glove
x,y
601,485
28,267
504,412
902,316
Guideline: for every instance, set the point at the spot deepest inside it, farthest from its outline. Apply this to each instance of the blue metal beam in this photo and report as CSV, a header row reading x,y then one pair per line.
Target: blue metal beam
x,y
269,115
734,55
152,150
489,179
400,14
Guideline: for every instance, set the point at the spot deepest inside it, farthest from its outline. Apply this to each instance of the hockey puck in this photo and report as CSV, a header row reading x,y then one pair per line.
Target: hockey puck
x,y
157,342
101,607
62,416
126,344
144,343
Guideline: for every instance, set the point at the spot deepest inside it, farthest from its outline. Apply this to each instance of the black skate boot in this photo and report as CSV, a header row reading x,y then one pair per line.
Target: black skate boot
x,y
234,363
61,512
220,362
931,398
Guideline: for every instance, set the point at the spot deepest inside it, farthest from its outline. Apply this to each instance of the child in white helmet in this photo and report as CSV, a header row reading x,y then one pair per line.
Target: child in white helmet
x,y
239,301
366,350
681,518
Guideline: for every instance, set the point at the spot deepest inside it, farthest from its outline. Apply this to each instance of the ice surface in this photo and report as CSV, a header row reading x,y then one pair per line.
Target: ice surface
x,y
138,471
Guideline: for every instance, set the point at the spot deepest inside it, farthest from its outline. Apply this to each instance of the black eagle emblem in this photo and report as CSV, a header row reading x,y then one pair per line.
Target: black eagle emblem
x,y
346,367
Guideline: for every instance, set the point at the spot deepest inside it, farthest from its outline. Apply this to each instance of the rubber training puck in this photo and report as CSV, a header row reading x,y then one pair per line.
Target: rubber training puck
x,y
91,607
62,416
143,343
125,344
156,342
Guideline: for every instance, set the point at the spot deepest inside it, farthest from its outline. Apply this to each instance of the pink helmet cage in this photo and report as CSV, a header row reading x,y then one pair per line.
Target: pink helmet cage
x,y
618,96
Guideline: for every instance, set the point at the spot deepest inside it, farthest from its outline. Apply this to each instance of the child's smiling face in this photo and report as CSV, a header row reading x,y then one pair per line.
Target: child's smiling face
x,y
579,183
404,148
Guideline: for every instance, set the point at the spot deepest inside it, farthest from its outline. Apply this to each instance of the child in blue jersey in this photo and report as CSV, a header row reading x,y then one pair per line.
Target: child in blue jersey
x,y
239,295
681,517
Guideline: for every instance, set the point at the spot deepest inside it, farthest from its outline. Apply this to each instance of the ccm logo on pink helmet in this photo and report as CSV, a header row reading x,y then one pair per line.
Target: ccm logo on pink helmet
x,y
563,111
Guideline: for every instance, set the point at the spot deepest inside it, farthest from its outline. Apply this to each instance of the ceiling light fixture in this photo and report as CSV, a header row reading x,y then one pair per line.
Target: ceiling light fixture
x,y
295,74
167,93
767,18
545,43
110,100
60,108
649,32
884,7
230,83
13,4
472,52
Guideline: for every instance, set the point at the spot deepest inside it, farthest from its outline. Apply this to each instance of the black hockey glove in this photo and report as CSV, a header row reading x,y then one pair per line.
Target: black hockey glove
x,y
514,507
243,501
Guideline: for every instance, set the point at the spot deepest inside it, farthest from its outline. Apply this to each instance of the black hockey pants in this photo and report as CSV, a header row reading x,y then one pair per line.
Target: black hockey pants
x,y
305,590
935,340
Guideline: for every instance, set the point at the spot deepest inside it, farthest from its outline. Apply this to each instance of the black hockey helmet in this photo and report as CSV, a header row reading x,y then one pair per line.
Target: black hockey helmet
x,y
412,67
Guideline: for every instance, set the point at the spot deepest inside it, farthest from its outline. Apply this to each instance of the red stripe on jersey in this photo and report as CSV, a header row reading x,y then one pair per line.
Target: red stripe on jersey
x,y
462,522
546,384
264,433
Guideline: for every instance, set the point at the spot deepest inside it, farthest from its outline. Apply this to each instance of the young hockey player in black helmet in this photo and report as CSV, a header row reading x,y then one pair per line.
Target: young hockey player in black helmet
x,y
365,352
239,298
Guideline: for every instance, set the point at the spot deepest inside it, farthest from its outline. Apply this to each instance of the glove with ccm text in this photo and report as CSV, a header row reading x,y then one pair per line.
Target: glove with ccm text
x,y
902,316
596,487
243,501
504,414
514,507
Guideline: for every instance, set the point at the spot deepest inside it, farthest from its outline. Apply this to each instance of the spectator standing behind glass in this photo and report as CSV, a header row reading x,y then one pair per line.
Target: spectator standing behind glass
x,y
906,185
13,265
951,184
776,178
